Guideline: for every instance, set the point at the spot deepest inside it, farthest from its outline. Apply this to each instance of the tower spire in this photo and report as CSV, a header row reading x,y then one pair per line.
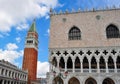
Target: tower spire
x,y
33,27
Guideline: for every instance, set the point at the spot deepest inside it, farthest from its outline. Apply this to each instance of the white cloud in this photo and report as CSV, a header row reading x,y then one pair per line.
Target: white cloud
x,y
42,69
10,54
18,39
11,46
17,12
22,27
48,31
61,5
47,17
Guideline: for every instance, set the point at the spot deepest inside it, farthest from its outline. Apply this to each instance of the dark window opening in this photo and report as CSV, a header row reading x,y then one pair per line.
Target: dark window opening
x,y
54,62
112,31
102,63
69,63
118,62
93,63
62,63
77,63
74,34
29,41
85,63
110,63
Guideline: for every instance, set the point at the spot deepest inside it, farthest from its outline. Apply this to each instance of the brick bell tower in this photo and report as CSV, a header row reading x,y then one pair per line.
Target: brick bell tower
x,y
31,53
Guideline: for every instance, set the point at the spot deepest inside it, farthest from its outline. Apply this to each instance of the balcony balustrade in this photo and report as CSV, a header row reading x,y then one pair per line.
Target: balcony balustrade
x,y
91,70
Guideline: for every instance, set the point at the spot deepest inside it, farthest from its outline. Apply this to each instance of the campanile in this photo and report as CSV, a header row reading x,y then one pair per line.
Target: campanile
x,y
31,53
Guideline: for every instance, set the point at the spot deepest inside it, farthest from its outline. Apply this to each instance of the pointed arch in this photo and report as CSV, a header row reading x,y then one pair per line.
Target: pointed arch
x,y
90,81
12,82
69,63
108,81
5,82
85,63
118,62
1,81
110,63
77,63
74,33
54,62
62,63
102,63
73,80
112,31
58,80
93,63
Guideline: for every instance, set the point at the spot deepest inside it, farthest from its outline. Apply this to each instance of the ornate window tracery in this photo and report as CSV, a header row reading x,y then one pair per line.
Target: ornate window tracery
x,y
74,33
112,31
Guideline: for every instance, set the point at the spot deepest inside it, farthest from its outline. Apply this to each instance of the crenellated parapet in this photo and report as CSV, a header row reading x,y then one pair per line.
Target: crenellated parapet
x,y
53,12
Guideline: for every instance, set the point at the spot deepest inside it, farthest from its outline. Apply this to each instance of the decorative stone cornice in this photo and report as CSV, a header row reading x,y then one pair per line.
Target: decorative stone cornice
x,y
53,12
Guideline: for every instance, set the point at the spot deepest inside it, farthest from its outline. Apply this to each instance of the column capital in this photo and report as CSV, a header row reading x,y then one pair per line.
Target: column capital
x,y
73,60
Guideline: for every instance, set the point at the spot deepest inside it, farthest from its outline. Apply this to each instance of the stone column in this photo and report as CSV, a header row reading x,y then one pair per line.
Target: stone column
x,y
106,66
14,75
3,82
11,74
0,70
73,61
65,65
81,67
115,66
8,73
89,66
6,82
98,67
4,72
58,60
50,67
9,82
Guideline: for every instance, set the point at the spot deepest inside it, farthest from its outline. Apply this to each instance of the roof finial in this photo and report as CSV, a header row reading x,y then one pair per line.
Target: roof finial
x,y
54,12
86,9
79,10
60,12
51,11
114,7
73,10
93,9
107,7
66,11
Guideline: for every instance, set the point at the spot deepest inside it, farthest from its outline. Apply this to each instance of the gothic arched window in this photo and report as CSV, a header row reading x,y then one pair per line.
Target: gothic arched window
x,y
74,33
112,31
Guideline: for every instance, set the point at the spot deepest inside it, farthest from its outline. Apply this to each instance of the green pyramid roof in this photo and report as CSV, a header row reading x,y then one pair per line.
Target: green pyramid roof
x,y
33,27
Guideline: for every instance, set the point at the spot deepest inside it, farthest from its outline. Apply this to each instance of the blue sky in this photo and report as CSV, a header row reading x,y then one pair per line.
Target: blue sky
x,y
16,17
